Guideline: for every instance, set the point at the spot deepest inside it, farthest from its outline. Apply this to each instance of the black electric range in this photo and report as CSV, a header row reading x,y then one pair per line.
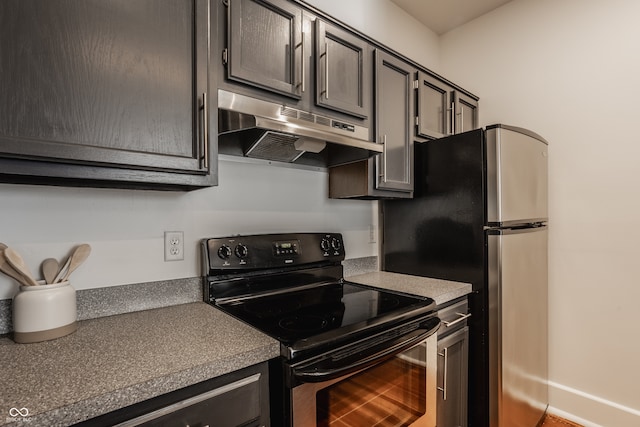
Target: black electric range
x,y
290,286
332,333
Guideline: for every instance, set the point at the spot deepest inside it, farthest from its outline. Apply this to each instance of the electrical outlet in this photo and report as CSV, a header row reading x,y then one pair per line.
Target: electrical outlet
x,y
173,245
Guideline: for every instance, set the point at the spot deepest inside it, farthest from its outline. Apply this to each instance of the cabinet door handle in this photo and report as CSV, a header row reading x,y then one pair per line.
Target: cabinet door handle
x,y
204,160
458,320
443,389
452,117
326,70
461,114
304,60
384,158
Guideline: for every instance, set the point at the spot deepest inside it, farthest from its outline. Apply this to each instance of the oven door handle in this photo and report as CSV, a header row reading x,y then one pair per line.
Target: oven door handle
x,y
328,369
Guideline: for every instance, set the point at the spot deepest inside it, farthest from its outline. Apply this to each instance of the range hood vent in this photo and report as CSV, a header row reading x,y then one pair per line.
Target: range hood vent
x,y
259,129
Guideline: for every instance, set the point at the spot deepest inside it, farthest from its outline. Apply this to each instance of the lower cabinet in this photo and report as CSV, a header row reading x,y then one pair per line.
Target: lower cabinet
x,y
453,362
237,399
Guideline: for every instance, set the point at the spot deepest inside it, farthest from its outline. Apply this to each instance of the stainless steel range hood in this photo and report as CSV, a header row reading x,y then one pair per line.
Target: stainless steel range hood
x,y
255,128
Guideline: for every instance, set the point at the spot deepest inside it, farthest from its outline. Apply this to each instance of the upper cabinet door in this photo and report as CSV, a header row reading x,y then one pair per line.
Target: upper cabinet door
x,y
265,43
434,107
394,118
466,113
104,83
344,68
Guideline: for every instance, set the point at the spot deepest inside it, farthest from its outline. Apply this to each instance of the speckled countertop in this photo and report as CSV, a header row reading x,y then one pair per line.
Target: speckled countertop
x,y
116,361
441,291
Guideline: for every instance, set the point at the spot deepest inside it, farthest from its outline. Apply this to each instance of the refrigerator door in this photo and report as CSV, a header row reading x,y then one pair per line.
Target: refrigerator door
x,y
518,366
516,176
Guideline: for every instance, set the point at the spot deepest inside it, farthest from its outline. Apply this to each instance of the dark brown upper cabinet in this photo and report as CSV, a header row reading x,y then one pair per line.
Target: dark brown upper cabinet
x,y
343,70
410,104
265,45
441,109
106,93
466,112
434,107
389,174
394,110
296,58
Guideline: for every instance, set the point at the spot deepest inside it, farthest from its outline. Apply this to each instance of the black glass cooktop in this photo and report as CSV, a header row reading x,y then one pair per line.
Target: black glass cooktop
x,y
327,310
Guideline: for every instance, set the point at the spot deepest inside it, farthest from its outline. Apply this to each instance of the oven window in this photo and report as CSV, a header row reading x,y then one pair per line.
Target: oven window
x,y
392,393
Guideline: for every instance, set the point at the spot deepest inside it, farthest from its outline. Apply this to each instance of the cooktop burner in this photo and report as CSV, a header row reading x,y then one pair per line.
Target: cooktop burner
x,y
303,323
261,310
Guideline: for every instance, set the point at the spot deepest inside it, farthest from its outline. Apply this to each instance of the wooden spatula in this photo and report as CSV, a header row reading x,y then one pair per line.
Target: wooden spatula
x,y
79,255
15,260
7,269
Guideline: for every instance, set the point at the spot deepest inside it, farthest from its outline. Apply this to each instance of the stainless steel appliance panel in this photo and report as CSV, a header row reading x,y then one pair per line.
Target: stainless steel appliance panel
x,y
518,326
516,176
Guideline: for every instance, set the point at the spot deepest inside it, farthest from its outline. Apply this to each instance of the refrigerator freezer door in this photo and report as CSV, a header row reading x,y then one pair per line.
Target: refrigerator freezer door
x,y
516,176
518,366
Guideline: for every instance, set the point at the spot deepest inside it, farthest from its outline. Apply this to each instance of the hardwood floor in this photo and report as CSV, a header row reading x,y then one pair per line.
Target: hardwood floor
x,y
553,421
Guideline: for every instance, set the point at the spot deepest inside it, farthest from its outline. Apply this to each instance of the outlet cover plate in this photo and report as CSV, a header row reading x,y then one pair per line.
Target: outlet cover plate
x,y
173,245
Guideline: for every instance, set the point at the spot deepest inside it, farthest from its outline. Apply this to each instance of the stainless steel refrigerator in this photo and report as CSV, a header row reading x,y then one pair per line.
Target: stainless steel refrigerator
x,y
479,215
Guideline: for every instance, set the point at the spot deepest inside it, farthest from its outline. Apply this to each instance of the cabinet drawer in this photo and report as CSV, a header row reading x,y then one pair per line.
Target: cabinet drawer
x,y
230,405
453,317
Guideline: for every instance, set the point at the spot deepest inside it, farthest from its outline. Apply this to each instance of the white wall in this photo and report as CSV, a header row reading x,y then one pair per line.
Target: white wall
x,y
126,227
569,70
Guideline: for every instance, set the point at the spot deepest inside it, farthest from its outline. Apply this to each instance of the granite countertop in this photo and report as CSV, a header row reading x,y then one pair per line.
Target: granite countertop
x,y
116,361
441,291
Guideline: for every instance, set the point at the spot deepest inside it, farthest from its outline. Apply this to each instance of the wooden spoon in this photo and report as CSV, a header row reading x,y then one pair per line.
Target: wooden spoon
x,y
50,269
79,255
15,260
7,269
62,271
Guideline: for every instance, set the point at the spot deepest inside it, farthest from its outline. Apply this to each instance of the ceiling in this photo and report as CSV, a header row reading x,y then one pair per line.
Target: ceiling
x,y
444,15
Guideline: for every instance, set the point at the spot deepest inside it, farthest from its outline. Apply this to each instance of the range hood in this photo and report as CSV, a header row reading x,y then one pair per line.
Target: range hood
x,y
255,128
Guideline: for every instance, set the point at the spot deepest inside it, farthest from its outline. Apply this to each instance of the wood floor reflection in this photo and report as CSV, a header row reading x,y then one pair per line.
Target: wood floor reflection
x,y
553,421
388,395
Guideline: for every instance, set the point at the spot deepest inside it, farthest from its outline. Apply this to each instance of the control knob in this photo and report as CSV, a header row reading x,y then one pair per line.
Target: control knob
x,y
325,245
241,251
336,244
224,252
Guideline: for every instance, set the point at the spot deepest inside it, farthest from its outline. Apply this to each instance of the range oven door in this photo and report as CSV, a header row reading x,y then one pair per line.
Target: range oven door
x,y
393,387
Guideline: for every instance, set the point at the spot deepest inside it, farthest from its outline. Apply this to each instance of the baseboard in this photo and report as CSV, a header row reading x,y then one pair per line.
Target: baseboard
x,y
589,410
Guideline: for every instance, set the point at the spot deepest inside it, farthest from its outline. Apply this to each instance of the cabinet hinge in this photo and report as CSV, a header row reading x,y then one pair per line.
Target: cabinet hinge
x,y
417,120
416,84
225,2
225,56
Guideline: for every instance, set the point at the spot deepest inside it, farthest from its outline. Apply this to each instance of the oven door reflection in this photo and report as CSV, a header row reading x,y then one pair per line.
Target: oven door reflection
x,y
399,391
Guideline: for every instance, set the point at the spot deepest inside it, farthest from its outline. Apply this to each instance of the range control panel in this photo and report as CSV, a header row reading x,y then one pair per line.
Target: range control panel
x,y
286,249
265,251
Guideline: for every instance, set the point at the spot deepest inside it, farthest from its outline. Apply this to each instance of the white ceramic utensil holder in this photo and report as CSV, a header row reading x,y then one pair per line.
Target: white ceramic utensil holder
x,y
44,312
